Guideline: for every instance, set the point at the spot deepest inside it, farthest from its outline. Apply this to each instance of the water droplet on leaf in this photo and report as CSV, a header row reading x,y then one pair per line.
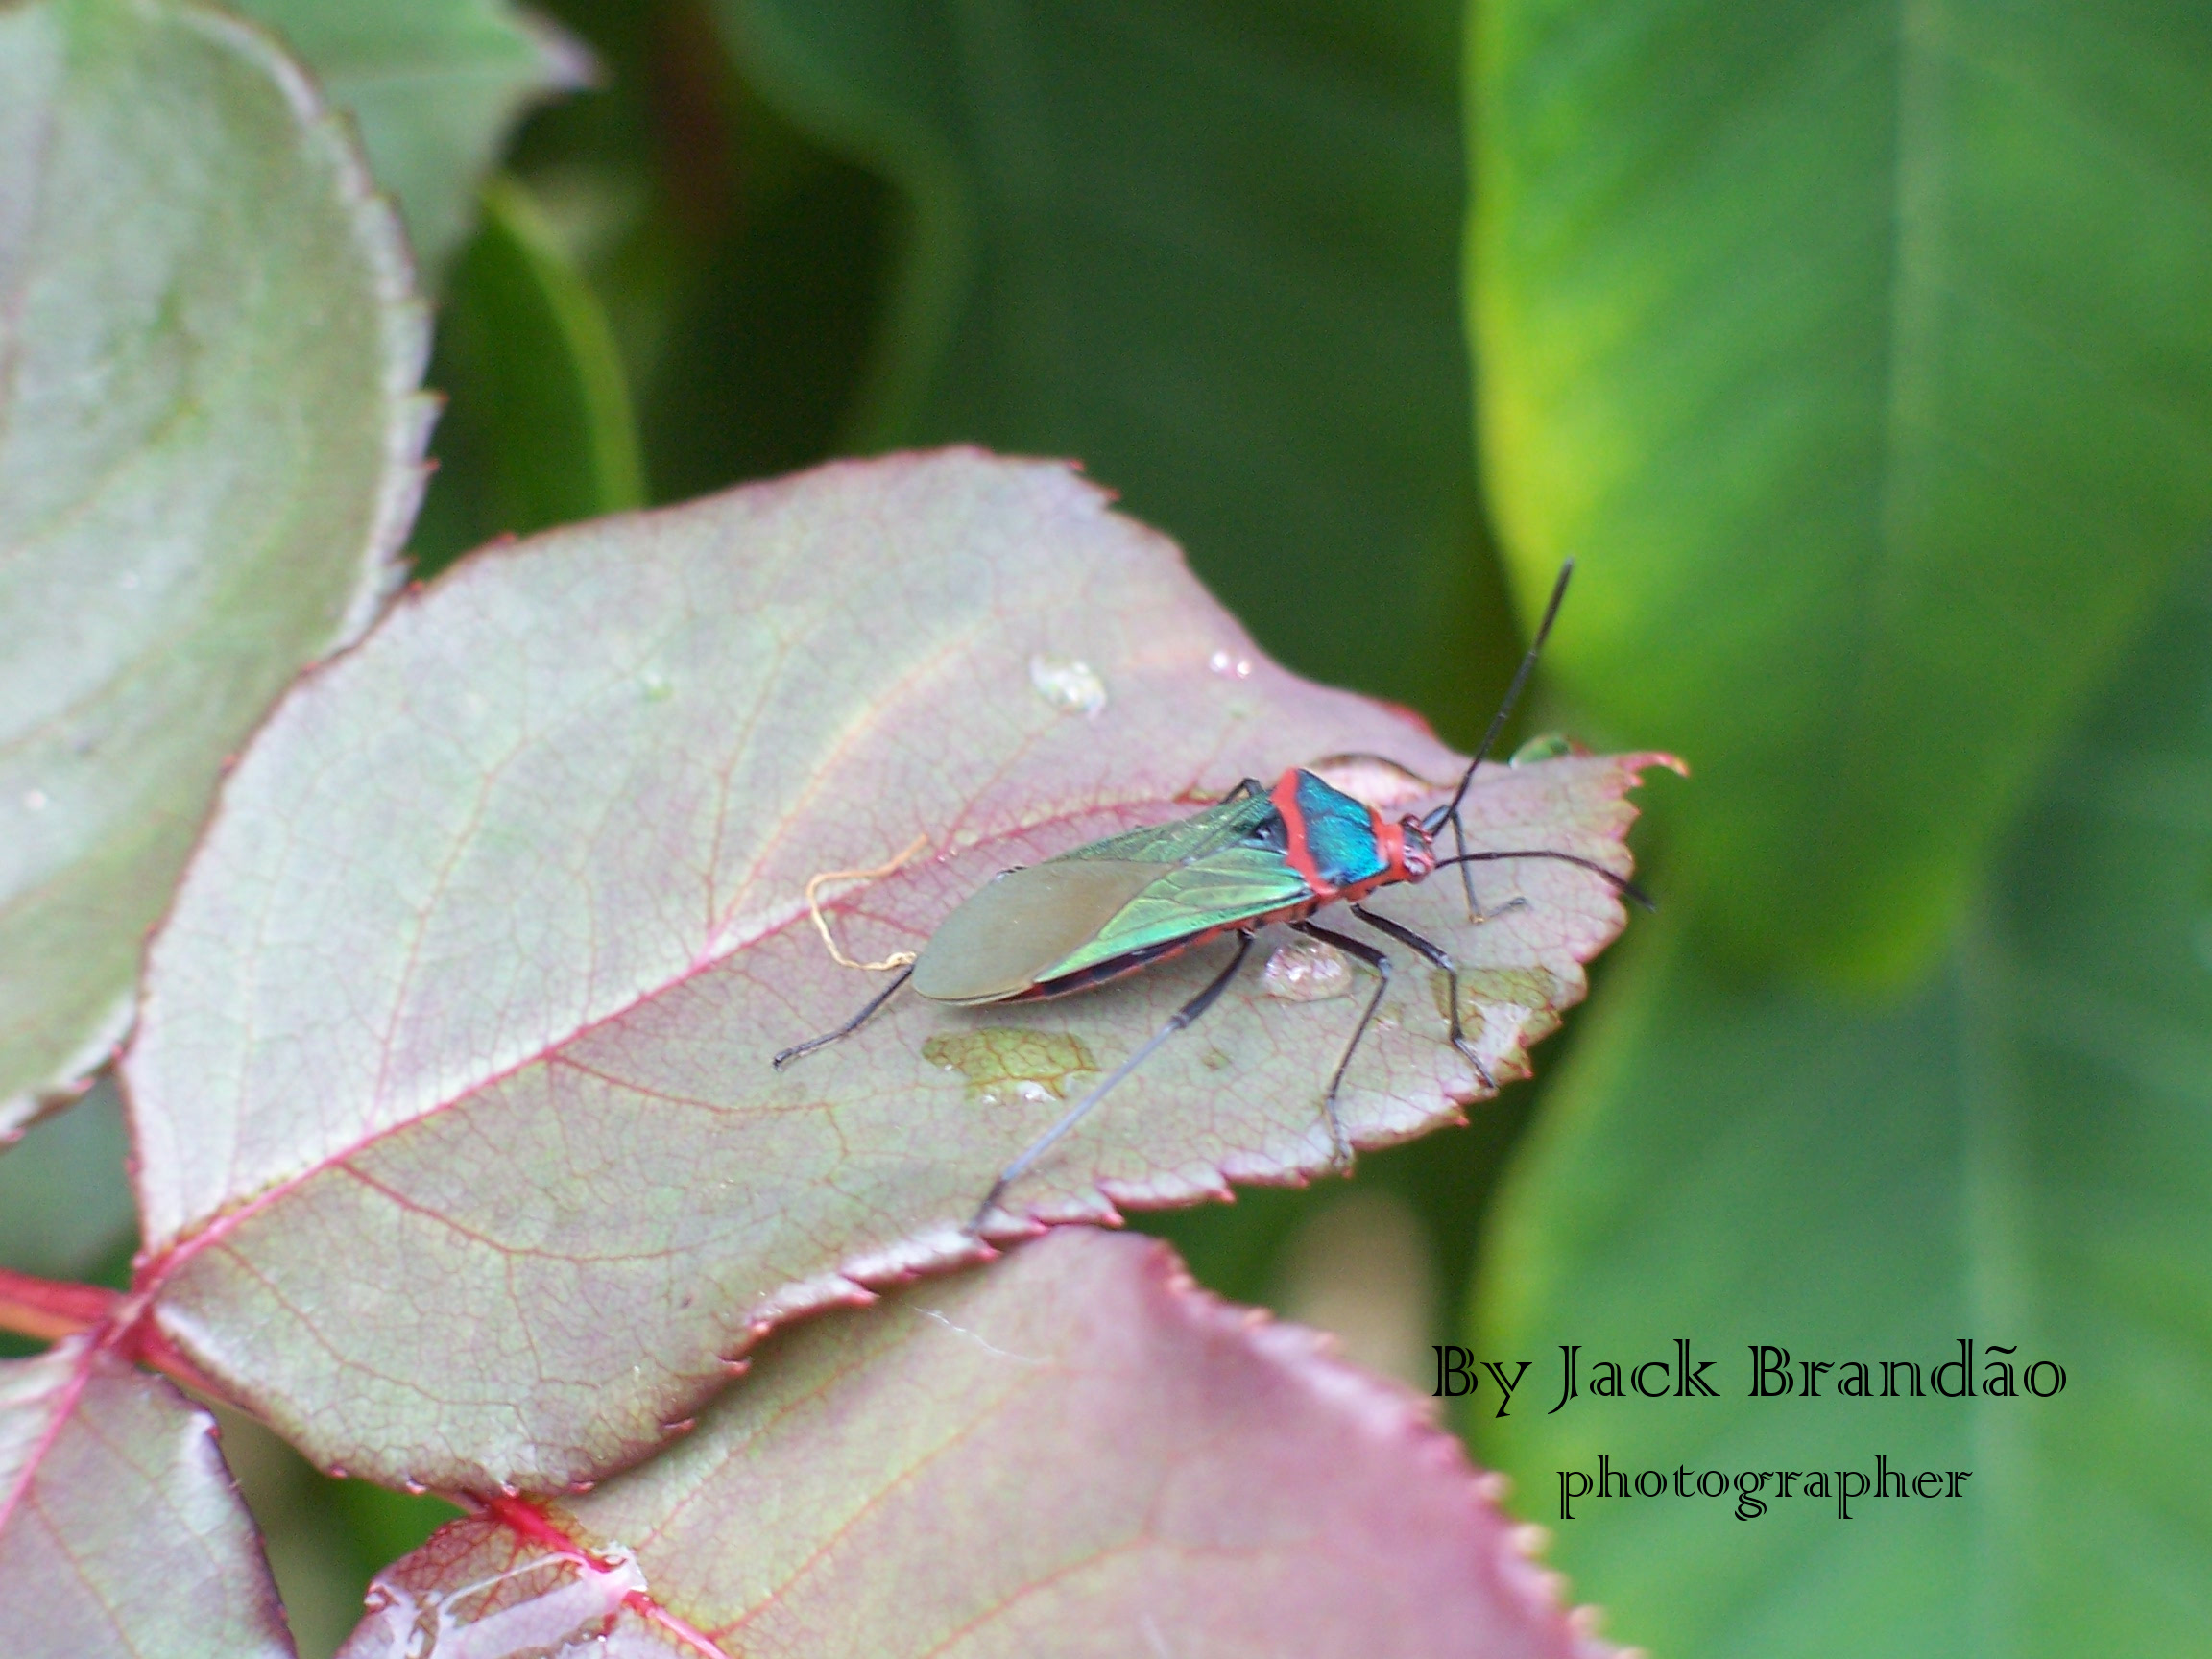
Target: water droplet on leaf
x,y
1307,971
36,800
542,1605
1068,685
1545,746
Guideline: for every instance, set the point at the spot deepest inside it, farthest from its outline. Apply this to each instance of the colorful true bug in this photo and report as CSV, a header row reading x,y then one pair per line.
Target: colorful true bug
x,y
1262,854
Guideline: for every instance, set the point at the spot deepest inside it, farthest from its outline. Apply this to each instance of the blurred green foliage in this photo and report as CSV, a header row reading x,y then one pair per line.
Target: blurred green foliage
x,y
544,433
1866,353
1209,249
1863,354
2018,1153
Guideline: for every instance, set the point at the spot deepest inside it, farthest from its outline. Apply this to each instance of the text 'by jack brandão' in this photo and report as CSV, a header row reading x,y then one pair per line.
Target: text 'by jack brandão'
x,y
1769,1372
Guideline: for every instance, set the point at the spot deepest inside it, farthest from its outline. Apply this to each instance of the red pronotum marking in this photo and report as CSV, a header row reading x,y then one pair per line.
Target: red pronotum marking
x,y
1285,795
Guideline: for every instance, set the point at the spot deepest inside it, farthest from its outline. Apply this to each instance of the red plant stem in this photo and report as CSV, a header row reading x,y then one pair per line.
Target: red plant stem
x,y
48,1309
149,1347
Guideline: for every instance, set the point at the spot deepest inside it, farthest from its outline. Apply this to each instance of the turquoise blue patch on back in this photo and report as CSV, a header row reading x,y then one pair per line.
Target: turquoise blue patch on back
x,y
1339,833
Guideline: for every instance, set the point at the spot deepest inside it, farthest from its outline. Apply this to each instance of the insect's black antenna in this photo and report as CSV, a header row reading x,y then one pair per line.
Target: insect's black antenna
x,y
1450,814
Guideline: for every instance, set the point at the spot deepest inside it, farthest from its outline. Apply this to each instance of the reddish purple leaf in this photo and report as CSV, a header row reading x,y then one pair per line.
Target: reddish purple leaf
x,y
461,1157
1075,1453
121,1533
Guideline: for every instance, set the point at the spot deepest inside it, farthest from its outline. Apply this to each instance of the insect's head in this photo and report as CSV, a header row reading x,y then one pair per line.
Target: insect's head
x,y
1418,851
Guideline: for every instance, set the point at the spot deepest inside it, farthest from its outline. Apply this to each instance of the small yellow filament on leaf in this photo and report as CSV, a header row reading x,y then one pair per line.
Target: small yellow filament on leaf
x,y
898,958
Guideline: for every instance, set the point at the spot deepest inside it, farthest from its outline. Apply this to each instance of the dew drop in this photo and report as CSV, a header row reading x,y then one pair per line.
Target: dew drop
x,y
1230,667
542,1605
36,800
1307,971
1545,746
655,686
1069,684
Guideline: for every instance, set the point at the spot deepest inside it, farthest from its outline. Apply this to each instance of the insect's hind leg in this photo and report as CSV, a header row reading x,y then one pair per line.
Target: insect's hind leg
x,y
1340,1146
1176,1022
1439,957
866,1014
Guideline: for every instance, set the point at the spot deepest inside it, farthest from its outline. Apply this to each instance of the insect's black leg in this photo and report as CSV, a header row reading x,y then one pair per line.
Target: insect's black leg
x,y
1441,958
1182,1016
850,1027
1250,786
1381,962
1466,871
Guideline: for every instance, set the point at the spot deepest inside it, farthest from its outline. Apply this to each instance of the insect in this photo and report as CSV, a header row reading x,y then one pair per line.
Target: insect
x,y
1262,854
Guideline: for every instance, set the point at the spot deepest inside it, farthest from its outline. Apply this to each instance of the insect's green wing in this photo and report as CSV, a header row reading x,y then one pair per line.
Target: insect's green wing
x,y
1013,929
1233,885
1197,836
1142,887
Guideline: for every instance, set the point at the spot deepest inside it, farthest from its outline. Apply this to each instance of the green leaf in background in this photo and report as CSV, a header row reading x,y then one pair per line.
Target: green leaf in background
x,y
1074,1452
435,87
515,892
208,457
120,1530
1864,354
326,1538
66,1205
741,266
1211,250
2019,1155
539,431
